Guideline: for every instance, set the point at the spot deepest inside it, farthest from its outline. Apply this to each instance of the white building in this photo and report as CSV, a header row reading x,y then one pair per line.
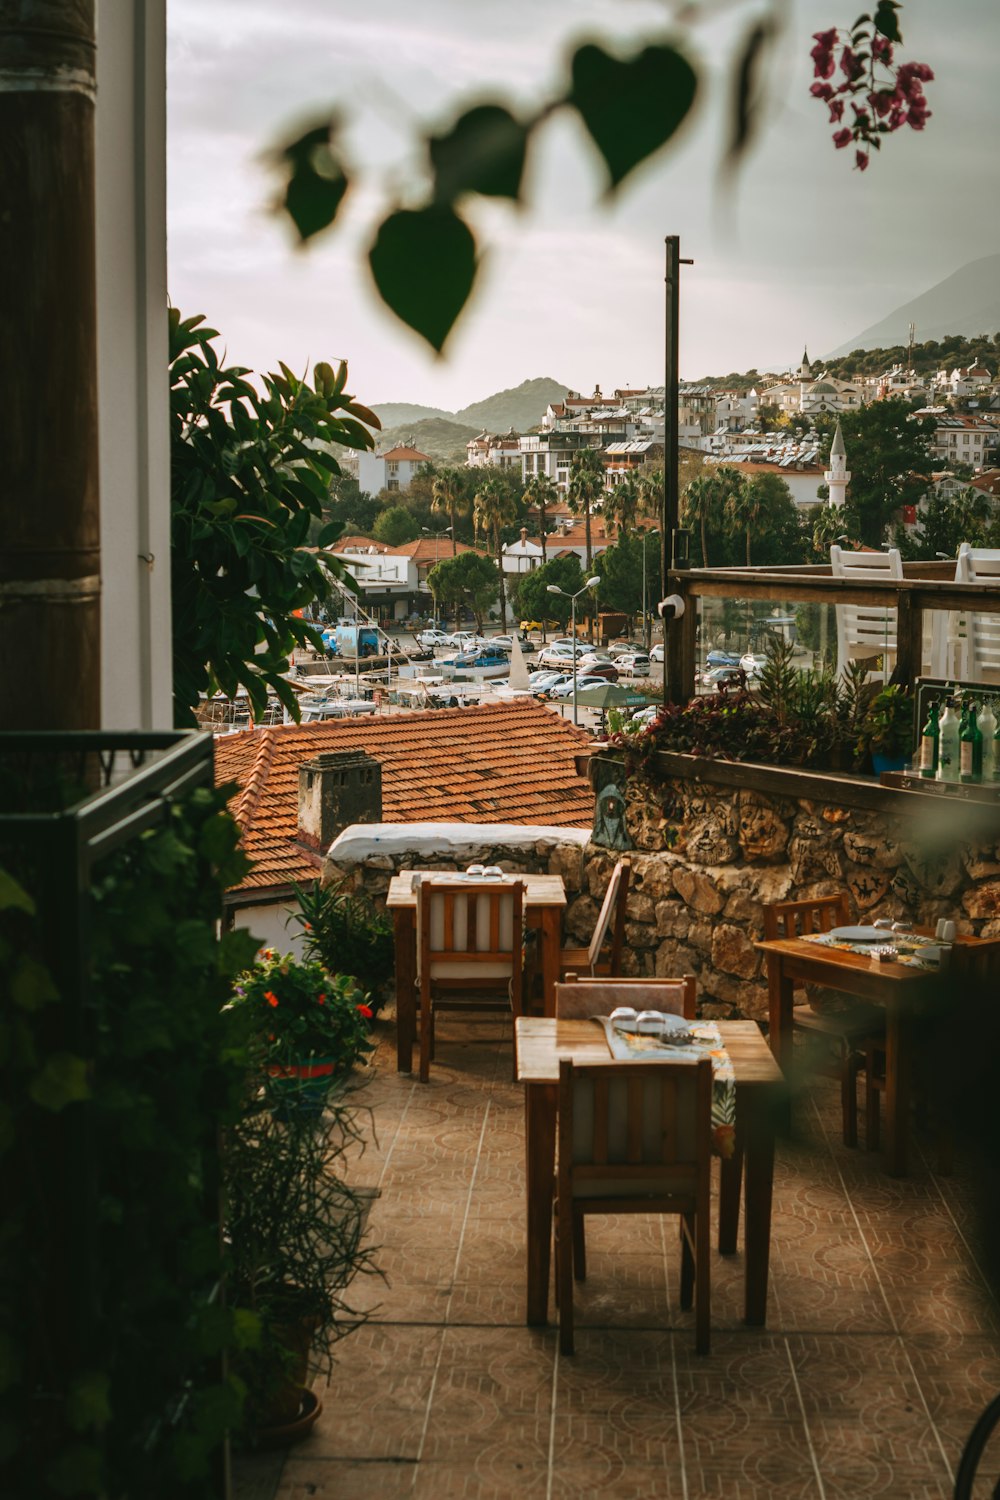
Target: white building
x,y
522,556
394,470
964,440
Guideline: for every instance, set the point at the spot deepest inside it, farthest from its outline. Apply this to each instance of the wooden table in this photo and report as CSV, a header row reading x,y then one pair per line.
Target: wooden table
x,y
898,987
544,904
542,1041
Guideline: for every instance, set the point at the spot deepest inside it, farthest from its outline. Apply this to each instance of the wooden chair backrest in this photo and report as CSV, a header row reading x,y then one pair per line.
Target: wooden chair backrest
x,y
611,915
975,963
581,997
790,919
635,1130
471,930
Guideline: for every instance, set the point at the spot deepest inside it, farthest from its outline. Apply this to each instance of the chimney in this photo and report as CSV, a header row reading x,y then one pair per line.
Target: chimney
x,y
524,536
336,789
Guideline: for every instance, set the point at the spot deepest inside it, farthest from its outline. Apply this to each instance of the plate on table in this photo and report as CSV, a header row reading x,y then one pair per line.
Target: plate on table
x,y
861,935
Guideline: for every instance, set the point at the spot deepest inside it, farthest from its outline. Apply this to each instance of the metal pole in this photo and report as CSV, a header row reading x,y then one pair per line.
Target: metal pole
x,y
671,383
50,562
573,616
645,640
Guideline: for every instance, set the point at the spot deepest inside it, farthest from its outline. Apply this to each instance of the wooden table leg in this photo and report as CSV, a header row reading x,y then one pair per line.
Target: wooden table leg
x,y
759,1161
730,1183
540,1161
404,923
551,940
781,998
897,1093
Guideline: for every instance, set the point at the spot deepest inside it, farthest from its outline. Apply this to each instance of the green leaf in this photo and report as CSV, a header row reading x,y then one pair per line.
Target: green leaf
x,y
747,93
484,153
317,181
330,533
886,22
31,984
76,1471
424,264
14,895
631,108
88,1404
61,1081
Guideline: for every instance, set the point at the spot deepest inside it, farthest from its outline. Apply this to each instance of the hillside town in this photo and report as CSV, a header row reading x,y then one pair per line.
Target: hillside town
x,y
499,906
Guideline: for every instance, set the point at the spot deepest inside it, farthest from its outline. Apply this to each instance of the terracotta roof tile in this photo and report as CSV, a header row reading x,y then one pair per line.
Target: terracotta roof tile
x,y
495,763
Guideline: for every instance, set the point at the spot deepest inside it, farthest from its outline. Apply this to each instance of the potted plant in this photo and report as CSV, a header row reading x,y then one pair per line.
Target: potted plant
x,y
312,1025
886,730
294,1241
344,931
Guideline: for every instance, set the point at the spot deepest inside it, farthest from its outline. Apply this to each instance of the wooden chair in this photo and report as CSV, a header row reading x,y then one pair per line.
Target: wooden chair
x,y
581,997
973,969
635,1138
849,1031
611,918
866,630
469,951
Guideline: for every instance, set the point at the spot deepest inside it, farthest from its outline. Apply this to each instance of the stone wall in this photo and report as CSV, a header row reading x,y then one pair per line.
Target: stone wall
x,y
706,857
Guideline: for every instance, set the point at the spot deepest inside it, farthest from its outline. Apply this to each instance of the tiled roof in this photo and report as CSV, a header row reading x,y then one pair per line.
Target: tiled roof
x,y
494,763
413,454
429,549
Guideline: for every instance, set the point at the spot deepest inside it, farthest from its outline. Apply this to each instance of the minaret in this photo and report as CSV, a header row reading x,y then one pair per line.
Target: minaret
x,y
838,474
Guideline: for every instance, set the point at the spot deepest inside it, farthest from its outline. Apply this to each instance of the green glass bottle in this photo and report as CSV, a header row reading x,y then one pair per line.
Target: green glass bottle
x,y
996,749
929,739
970,747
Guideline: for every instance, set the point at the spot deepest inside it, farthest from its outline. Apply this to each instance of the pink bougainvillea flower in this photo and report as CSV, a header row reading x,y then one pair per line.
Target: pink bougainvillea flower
x,y
836,110
851,64
822,91
822,53
365,1010
861,160
842,138
882,48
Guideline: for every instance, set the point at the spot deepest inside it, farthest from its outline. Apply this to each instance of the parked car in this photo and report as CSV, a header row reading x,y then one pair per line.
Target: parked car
x,y
722,659
432,638
657,652
634,664
623,648
753,664
583,682
506,642
558,656
595,658
463,640
539,625
558,680
608,670
645,715
542,677
723,676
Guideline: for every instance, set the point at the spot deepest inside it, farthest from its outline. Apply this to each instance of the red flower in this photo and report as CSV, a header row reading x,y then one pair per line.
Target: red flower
x,y
861,160
270,997
837,110
365,1010
882,49
822,53
822,91
851,64
842,138
320,999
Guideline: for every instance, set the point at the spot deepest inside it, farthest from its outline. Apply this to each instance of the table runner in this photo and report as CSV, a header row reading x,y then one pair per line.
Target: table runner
x,y
902,947
700,1039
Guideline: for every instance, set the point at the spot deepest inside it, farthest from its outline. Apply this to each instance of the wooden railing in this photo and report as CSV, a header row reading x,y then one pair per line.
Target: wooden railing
x,y
924,586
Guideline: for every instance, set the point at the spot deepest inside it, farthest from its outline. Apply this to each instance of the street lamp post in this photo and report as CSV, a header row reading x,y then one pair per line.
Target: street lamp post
x,y
437,535
645,617
553,588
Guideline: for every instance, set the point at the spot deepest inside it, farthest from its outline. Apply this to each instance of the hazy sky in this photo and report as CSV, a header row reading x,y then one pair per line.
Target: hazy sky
x,y
800,250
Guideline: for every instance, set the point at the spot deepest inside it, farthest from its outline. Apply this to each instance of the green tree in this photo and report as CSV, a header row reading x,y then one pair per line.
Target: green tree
x,y
541,492
396,525
494,507
533,599
945,522
250,471
742,510
624,503
889,458
466,579
621,575
352,507
586,485
703,503
450,497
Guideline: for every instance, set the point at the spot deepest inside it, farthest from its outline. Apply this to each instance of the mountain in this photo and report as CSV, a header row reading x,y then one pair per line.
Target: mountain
x,y
398,413
440,438
966,302
521,407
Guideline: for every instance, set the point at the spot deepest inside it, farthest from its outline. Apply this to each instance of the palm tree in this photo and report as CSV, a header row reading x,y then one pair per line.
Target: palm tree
x,y
743,509
702,504
541,492
623,504
449,498
493,508
586,484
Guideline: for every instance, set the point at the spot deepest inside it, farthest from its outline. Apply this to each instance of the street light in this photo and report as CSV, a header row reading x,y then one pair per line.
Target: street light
x,y
437,535
645,618
553,588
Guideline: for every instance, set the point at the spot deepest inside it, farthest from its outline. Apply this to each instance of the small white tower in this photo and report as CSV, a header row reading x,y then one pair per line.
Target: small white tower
x,y
838,475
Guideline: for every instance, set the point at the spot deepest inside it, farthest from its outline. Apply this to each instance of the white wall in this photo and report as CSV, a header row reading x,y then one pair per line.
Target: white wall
x,y
268,924
133,384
